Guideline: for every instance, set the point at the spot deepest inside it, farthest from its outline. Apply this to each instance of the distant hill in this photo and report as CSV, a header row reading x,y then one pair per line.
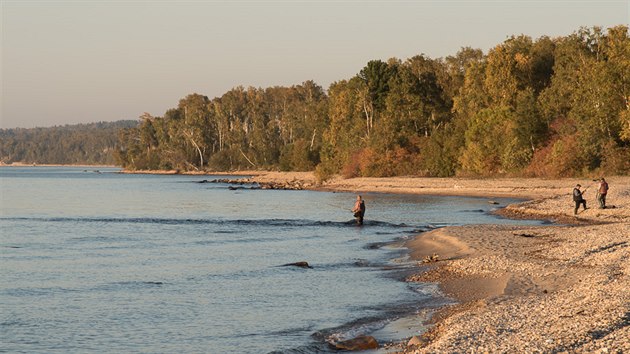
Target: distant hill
x,y
86,144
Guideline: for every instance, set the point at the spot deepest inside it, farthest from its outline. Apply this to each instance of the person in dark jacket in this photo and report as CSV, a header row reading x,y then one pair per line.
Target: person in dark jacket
x,y
359,210
602,190
578,199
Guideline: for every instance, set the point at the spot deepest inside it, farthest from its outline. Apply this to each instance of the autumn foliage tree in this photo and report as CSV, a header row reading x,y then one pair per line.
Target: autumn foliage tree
x,y
540,107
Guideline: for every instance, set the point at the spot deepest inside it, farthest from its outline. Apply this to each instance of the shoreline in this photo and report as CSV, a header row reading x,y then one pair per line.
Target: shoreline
x,y
524,288
548,288
142,172
240,173
560,287
20,164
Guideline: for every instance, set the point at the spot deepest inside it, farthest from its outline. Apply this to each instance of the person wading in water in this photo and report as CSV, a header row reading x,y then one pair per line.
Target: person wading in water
x,y
359,210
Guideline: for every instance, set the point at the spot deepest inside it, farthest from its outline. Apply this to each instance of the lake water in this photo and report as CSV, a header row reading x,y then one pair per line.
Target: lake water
x,y
97,261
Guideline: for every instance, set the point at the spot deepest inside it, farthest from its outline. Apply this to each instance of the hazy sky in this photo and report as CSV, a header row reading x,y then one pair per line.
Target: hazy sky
x,y
66,62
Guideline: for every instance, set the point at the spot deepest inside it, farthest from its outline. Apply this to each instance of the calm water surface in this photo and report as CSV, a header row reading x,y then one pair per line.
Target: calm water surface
x,y
96,261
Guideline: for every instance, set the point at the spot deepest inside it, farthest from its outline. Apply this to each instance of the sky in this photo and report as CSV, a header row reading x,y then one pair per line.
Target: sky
x,y
83,61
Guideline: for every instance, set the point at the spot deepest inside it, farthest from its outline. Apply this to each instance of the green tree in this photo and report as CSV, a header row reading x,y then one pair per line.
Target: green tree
x,y
195,127
375,77
489,142
345,134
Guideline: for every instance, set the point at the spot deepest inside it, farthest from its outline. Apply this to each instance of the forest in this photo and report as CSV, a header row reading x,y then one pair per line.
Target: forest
x,y
79,144
549,107
546,107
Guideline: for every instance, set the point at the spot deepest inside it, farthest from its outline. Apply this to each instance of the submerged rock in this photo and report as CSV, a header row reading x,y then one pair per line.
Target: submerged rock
x,y
298,264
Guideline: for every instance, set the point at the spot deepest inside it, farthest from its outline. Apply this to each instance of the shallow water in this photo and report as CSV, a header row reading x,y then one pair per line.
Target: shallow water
x,y
93,260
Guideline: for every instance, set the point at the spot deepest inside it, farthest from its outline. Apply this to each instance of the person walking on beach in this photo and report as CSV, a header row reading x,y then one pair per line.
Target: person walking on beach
x,y
359,210
602,190
578,199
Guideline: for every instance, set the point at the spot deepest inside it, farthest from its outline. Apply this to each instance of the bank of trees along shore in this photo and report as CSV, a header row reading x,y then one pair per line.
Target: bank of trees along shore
x,y
546,107
86,144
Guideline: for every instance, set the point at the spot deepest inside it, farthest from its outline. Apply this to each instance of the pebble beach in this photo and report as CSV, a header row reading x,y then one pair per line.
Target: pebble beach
x,y
562,287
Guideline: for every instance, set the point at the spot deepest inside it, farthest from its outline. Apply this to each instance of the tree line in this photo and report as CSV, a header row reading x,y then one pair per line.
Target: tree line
x,y
85,144
546,107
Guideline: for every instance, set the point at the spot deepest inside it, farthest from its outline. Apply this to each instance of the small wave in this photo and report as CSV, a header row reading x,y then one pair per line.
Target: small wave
x,y
190,221
390,313
356,263
376,245
419,231
385,233
351,330
102,239
21,292
13,323
306,349
427,290
130,285
242,274
289,331
472,211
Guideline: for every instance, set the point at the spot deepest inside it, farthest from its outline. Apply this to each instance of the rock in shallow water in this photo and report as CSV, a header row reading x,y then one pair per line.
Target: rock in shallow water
x,y
358,343
301,264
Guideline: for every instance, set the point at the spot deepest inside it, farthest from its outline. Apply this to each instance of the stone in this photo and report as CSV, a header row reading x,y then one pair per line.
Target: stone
x,y
414,341
432,258
301,264
358,343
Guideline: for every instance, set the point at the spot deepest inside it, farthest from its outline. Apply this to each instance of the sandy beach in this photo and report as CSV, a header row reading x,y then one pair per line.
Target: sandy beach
x,y
535,289
558,288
